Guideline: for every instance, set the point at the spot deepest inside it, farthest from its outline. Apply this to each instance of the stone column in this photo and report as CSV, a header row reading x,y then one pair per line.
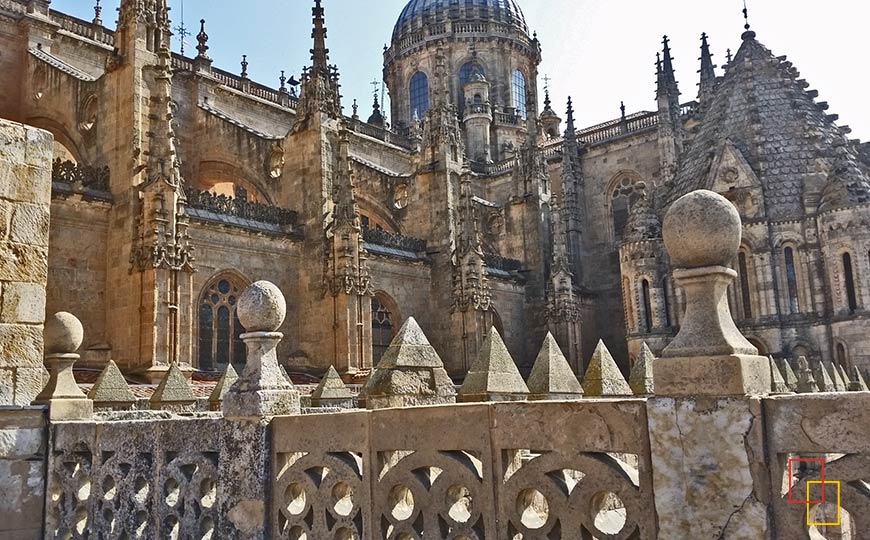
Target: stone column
x,y
65,400
261,392
705,427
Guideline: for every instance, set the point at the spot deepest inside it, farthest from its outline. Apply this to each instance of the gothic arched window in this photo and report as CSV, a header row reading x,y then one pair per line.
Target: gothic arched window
x,y
419,90
791,280
219,328
518,87
383,326
623,197
745,293
647,307
849,282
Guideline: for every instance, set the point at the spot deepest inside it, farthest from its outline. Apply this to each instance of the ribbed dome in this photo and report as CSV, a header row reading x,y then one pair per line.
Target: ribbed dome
x,y
420,12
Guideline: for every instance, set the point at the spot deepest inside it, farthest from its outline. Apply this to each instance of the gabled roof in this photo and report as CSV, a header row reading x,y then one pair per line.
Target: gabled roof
x,y
57,63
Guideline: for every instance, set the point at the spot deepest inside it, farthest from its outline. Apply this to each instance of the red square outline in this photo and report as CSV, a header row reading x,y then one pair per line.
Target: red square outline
x,y
821,461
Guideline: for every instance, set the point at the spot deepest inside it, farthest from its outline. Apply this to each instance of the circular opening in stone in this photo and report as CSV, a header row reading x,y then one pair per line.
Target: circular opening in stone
x,y
401,502
459,504
207,493
296,499
608,512
171,492
342,499
533,508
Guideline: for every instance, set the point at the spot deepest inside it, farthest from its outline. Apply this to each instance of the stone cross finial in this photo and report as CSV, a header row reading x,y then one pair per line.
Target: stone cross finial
x,y
602,377
551,376
262,390
709,356
63,335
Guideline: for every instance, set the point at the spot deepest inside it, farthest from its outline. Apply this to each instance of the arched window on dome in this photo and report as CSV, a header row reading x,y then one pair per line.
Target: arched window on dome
x,y
219,328
791,280
849,281
419,93
518,91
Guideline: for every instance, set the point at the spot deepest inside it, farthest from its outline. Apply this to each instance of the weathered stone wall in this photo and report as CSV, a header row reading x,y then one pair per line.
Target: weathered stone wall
x,y
23,450
25,193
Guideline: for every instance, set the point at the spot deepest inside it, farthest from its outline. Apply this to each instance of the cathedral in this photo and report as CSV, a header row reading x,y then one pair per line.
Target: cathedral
x,y
177,183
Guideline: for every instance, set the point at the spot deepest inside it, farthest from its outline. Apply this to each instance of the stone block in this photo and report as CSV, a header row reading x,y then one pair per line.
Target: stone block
x,y
6,208
30,224
732,375
25,183
29,382
7,386
25,263
23,303
16,442
20,345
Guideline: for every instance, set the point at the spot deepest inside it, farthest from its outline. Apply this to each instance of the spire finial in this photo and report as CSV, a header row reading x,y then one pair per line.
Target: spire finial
x,y
244,66
569,128
319,54
202,40
98,11
746,16
667,81
355,110
283,80
181,30
728,56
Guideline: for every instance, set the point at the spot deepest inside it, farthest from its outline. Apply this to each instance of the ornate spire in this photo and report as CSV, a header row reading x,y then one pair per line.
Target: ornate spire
x,y
665,69
319,54
201,41
376,119
244,74
471,287
548,109
570,131
98,11
707,71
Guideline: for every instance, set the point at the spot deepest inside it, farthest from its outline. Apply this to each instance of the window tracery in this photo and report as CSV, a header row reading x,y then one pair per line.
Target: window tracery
x,y
219,328
419,94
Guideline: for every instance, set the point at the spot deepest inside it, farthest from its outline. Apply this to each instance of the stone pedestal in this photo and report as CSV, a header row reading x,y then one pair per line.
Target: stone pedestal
x,y
262,390
64,398
726,375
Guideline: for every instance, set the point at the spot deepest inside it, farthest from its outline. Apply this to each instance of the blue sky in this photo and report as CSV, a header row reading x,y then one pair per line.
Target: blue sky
x,y
598,51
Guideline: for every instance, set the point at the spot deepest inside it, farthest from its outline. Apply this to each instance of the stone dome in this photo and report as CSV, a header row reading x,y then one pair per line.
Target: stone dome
x,y
421,12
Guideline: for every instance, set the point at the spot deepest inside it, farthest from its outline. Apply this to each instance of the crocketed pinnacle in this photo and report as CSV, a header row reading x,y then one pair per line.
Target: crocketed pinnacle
x,y
570,129
667,80
319,54
707,71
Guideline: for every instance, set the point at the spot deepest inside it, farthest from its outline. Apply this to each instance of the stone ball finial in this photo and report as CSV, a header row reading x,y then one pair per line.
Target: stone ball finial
x,y
262,307
63,333
702,229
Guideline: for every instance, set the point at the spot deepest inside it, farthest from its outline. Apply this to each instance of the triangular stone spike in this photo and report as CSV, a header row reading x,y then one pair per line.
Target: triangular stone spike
x,y
778,385
552,376
494,375
603,377
111,390
332,392
806,383
843,375
823,378
173,392
788,374
857,384
217,395
641,377
410,373
839,383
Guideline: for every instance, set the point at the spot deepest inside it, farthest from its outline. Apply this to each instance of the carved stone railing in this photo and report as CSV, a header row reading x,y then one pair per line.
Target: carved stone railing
x,y
134,479
465,471
816,437
497,262
506,119
393,240
492,169
389,136
80,177
221,204
86,29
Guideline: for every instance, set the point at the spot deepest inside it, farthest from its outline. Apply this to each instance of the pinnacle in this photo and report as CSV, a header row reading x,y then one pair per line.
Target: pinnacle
x,y
839,384
806,383
778,384
857,384
551,375
410,348
603,377
788,375
494,375
227,379
111,388
823,378
173,389
331,387
641,377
